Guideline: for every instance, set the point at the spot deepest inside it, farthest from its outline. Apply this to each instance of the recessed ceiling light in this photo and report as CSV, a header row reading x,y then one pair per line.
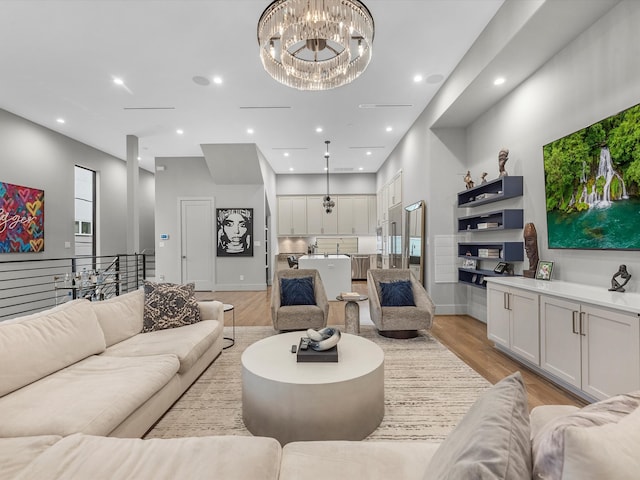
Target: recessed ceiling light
x,y
180,131
118,81
361,168
369,153
217,80
499,81
139,158
325,169
250,131
389,129
286,154
291,169
319,129
60,120
418,78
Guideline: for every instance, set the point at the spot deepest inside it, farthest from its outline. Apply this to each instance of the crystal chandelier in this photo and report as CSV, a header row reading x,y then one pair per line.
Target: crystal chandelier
x,y
327,203
315,44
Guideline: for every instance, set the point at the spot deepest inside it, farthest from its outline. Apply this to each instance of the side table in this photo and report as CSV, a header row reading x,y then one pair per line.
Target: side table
x,y
352,312
229,308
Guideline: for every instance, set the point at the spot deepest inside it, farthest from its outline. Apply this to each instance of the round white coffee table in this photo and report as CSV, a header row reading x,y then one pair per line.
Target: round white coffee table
x,y
293,401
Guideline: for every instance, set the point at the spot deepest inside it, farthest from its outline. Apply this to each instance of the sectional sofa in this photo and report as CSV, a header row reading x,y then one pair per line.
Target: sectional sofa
x,y
85,367
83,379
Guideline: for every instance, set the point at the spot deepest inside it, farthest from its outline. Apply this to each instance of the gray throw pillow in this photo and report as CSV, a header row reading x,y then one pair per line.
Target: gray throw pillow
x,y
491,441
168,305
549,444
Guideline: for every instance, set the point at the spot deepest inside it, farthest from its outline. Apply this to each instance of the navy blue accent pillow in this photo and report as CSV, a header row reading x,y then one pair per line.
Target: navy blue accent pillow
x,y
397,294
297,291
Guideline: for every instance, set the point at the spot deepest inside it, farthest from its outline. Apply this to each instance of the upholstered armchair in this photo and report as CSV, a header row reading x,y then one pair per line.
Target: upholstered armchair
x,y
298,304
398,321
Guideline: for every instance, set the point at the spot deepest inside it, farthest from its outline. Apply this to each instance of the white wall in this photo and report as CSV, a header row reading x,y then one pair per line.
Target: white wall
x,y
597,74
34,156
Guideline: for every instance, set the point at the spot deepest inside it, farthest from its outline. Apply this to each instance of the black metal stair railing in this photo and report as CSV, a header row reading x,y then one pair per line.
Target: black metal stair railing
x,y
30,286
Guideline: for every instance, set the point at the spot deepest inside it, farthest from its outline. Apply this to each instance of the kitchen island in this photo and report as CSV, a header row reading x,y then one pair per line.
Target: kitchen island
x,y
335,271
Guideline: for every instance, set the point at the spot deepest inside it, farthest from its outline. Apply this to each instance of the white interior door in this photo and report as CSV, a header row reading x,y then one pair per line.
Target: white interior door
x,y
197,242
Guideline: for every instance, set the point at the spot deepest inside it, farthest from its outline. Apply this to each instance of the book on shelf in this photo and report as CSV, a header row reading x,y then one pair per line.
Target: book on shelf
x,y
482,196
489,252
483,225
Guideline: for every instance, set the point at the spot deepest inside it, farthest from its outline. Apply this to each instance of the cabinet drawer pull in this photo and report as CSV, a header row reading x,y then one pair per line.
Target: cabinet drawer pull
x,y
582,324
574,316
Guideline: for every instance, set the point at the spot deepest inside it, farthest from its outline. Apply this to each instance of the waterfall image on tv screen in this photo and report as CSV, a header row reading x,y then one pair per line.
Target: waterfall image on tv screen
x,y
592,185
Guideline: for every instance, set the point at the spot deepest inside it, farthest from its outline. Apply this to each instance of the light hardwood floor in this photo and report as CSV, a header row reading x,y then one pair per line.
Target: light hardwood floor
x,y
463,335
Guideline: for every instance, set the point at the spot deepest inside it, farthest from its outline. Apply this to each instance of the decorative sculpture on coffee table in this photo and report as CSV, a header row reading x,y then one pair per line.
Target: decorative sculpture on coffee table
x,y
503,156
622,272
323,339
531,247
468,181
483,178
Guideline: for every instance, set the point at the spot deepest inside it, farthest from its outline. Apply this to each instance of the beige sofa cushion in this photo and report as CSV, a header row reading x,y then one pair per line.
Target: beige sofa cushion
x,y
17,453
195,458
356,460
40,344
188,343
92,396
120,317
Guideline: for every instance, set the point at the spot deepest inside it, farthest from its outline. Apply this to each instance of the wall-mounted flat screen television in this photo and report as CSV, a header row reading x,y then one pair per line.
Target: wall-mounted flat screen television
x,y
592,183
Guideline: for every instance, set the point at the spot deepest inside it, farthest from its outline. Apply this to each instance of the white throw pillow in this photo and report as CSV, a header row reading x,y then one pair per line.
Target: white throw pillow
x,y
549,444
609,452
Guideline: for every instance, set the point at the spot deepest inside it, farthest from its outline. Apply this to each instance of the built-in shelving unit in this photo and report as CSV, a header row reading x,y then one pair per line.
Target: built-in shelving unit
x,y
506,219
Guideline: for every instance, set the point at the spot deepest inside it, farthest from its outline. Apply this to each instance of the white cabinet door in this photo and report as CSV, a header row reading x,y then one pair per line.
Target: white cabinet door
x,y
610,352
525,322
344,207
353,215
360,215
594,349
498,315
292,215
560,339
315,212
513,321
395,191
373,220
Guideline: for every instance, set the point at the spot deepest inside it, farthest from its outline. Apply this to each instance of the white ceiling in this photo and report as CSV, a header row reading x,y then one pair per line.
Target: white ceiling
x,y
59,58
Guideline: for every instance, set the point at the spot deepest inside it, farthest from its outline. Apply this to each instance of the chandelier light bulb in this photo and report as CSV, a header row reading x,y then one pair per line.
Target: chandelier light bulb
x,y
304,44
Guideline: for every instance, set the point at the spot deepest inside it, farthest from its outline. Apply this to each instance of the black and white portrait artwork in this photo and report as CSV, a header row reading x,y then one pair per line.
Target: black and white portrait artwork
x,y
235,232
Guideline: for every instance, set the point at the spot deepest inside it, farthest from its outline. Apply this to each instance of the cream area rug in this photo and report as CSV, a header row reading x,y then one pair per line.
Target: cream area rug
x,y
427,391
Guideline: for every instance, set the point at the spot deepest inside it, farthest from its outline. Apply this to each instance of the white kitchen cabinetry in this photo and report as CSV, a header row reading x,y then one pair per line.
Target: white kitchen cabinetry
x,y
292,215
395,190
594,349
373,222
513,320
353,215
319,222
589,338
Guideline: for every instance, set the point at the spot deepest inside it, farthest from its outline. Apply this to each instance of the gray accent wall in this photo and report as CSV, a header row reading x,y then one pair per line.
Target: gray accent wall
x,y
35,156
593,76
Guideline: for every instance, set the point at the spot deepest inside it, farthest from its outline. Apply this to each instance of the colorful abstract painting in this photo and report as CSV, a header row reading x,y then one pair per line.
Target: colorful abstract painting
x,y
21,219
